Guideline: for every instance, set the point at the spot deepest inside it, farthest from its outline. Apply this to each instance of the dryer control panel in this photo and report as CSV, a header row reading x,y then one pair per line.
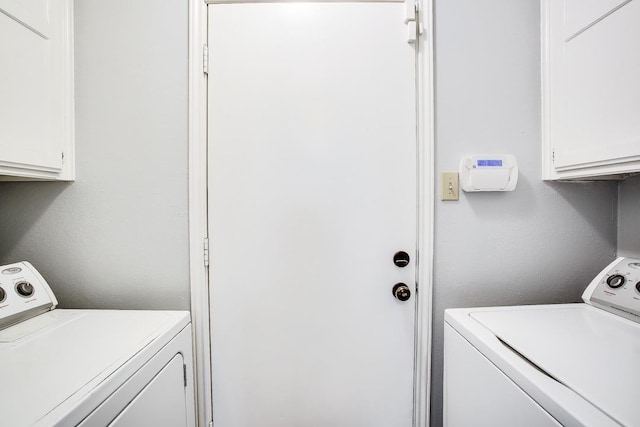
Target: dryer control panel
x,y
23,294
617,289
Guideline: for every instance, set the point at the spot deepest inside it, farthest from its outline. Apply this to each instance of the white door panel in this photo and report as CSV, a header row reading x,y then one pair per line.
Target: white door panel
x,y
312,188
581,13
32,112
601,106
590,65
32,14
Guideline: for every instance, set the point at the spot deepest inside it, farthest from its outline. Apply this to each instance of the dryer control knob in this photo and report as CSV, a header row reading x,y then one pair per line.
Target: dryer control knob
x,y
615,281
25,289
3,295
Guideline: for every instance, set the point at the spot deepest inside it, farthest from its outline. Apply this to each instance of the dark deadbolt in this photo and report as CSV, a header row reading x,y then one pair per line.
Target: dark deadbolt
x,y
401,259
401,292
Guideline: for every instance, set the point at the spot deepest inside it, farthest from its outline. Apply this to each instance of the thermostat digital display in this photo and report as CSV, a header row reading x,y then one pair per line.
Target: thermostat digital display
x,y
488,172
487,162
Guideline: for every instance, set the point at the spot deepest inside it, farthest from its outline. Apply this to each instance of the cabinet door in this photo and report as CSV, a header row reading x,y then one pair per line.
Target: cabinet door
x,y
35,86
591,87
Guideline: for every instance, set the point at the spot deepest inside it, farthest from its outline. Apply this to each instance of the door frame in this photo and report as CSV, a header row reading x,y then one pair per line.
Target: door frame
x,y
198,230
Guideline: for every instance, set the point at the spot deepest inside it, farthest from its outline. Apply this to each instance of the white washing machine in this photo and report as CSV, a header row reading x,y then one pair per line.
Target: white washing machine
x,y
548,365
120,368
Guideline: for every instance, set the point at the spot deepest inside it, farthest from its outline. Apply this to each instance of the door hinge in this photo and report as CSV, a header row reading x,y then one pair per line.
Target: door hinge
x,y
411,9
553,156
184,374
412,21
206,252
205,59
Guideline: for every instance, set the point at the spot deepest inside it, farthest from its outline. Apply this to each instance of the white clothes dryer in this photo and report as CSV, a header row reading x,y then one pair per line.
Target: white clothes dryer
x,y
548,365
89,367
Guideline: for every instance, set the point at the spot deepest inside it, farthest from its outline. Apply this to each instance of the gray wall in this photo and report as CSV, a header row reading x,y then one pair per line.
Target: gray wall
x,y
118,236
629,217
543,242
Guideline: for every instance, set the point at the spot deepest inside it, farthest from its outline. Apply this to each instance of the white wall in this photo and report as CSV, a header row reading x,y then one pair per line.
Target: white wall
x,y
540,244
629,217
118,236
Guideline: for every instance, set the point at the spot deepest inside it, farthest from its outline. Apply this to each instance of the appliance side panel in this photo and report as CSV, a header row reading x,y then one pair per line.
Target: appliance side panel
x,y
161,402
475,392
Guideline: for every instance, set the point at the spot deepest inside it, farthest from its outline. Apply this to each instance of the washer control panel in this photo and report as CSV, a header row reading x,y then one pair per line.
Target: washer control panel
x,y
617,288
23,294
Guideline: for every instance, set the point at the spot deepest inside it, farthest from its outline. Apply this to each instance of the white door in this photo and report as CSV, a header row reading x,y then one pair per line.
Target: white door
x,y
312,190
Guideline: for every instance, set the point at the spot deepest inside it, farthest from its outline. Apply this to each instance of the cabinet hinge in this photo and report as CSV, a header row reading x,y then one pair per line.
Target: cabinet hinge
x,y
206,252
205,59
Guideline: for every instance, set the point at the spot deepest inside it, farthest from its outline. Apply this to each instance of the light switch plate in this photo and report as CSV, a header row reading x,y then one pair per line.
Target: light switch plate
x,y
450,186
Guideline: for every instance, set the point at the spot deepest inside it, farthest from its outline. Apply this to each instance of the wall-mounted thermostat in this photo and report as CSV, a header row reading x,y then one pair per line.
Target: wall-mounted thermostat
x,y
488,173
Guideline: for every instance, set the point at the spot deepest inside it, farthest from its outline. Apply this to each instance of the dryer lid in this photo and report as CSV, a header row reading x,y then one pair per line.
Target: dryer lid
x,y
594,353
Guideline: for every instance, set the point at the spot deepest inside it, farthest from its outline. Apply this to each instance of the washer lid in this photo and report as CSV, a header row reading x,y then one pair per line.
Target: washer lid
x,y
54,362
594,353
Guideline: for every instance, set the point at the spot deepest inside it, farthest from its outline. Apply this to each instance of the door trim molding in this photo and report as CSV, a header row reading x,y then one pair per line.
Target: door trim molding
x,y
199,285
426,221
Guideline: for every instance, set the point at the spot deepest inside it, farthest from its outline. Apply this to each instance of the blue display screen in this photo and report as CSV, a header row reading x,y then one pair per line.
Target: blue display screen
x,y
489,162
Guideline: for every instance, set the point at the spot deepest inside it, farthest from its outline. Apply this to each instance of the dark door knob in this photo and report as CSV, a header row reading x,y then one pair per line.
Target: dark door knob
x,y
401,259
401,292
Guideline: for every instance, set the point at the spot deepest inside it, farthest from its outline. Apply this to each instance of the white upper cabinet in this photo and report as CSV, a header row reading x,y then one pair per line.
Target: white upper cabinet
x,y
590,88
36,89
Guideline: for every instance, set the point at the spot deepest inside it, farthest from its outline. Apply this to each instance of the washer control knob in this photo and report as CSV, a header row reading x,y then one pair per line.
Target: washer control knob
x,y
638,286
3,295
25,289
615,281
